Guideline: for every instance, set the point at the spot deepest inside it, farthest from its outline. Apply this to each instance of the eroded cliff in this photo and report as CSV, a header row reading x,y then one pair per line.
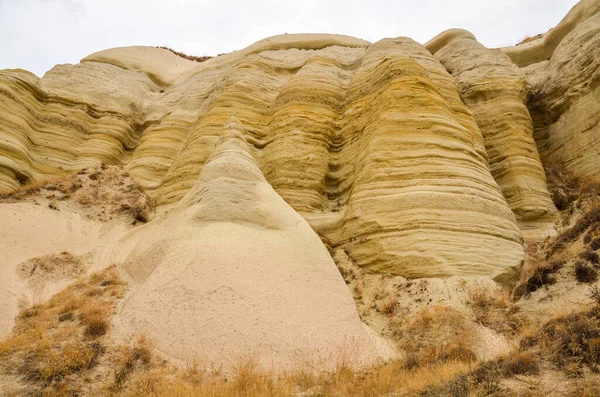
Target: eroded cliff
x,y
416,164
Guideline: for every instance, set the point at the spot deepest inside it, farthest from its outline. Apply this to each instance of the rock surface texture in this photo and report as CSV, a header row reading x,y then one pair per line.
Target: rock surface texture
x,y
495,90
416,164
239,271
565,94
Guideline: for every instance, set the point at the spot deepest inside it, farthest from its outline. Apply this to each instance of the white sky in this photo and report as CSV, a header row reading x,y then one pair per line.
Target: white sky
x,y
37,34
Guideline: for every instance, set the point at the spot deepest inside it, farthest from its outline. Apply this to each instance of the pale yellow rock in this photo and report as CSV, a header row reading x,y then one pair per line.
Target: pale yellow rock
x,y
495,90
162,66
543,48
565,101
371,143
234,270
29,230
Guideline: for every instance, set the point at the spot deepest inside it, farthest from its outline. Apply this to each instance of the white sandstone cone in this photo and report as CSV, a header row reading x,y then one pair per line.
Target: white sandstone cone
x,y
235,271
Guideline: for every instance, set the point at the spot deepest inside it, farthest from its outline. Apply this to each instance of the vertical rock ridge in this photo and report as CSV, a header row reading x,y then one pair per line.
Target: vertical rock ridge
x,y
496,92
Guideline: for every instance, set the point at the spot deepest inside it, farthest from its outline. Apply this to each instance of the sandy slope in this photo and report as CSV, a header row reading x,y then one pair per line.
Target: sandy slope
x,y
29,230
233,269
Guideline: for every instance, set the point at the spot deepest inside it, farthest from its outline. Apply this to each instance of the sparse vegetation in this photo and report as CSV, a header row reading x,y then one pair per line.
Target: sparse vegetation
x,y
571,341
493,310
188,57
590,256
531,38
590,219
54,344
585,273
563,186
543,274
57,347
437,334
102,194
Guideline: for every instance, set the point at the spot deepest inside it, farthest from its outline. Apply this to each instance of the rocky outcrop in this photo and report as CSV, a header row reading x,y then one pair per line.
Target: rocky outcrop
x,y
372,144
416,164
241,272
565,96
543,48
495,90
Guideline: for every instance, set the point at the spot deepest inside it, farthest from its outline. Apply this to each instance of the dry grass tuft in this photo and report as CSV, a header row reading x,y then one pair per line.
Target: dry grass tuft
x,y
128,358
54,343
188,57
572,341
34,186
590,256
437,334
585,273
542,275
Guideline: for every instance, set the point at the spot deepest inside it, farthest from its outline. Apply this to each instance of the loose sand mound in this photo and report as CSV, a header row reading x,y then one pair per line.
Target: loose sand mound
x,y
233,269
54,231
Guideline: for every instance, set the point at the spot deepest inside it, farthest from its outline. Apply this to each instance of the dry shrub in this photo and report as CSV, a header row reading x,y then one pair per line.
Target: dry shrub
x,y
590,256
542,275
595,244
563,186
188,57
457,387
437,334
487,377
595,294
520,364
585,273
51,345
590,219
388,304
573,339
492,310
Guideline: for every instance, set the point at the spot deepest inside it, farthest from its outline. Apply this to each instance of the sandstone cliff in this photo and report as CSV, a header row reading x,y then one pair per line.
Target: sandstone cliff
x,y
415,164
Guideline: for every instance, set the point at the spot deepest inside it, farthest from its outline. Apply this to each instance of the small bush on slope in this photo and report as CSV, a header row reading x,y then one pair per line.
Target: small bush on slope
x,y
571,340
54,344
590,256
585,273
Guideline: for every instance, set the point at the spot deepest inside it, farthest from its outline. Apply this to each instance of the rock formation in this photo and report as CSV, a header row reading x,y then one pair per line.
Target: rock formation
x,y
418,165
240,271
565,92
496,92
405,160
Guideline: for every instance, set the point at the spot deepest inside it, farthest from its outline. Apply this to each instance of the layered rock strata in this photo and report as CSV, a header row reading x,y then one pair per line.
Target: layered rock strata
x,y
495,90
240,272
411,169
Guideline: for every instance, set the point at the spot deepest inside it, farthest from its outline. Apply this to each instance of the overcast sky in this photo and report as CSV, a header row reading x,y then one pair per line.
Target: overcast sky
x,y
37,34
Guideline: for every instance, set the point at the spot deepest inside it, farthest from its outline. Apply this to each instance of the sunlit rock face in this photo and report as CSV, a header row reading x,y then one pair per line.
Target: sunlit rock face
x,y
495,90
565,94
241,272
422,161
